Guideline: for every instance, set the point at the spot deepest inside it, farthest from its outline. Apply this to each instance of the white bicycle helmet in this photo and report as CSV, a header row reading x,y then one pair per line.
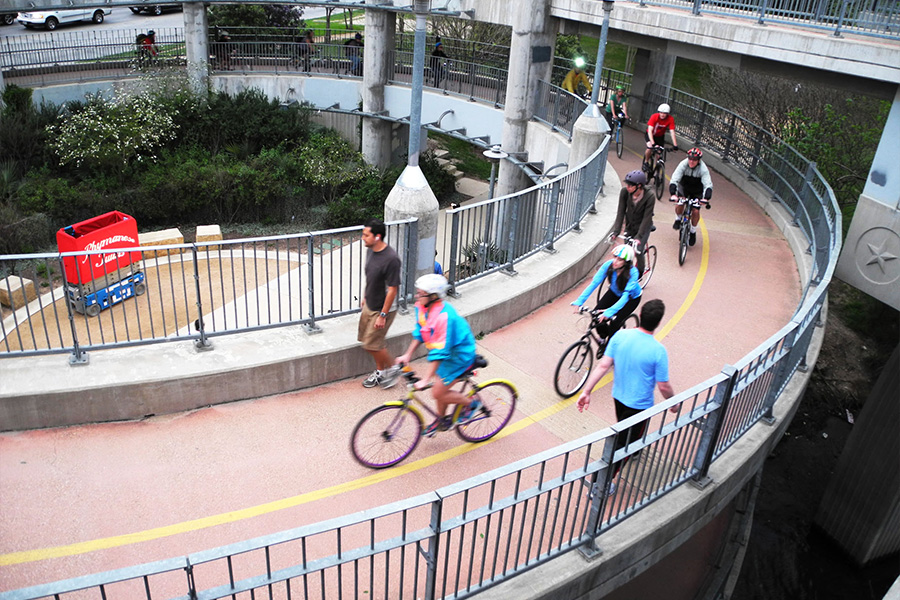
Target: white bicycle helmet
x,y
625,252
433,284
664,108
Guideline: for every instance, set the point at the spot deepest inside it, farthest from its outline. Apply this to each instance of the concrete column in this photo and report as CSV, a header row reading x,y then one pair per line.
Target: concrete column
x,y
870,259
650,66
860,509
530,59
377,57
196,30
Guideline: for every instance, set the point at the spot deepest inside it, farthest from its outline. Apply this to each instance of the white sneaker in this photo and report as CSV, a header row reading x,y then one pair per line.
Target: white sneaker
x,y
372,380
389,376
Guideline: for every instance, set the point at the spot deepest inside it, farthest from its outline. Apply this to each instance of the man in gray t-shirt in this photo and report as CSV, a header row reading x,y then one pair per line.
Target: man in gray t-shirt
x,y
378,305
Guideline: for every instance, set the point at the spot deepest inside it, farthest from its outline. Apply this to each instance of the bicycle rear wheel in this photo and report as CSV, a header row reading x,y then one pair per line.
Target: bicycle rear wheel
x,y
573,368
620,140
684,234
498,401
659,175
649,266
385,436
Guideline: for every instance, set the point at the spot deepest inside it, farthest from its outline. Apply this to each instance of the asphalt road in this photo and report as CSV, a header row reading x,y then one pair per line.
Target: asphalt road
x,y
122,18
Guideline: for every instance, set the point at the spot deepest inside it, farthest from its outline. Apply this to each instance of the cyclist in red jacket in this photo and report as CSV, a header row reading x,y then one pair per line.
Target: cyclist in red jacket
x,y
661,121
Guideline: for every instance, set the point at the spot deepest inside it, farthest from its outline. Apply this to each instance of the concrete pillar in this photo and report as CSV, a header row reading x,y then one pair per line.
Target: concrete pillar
x,y
411,197
870,259
196,29
860,509
376,133
650,66
530,59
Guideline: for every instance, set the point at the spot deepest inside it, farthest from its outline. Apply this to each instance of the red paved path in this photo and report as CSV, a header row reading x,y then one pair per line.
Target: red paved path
x,y
67,494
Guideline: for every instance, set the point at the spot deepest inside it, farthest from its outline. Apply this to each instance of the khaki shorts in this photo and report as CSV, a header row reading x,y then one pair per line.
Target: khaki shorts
x,y
373,339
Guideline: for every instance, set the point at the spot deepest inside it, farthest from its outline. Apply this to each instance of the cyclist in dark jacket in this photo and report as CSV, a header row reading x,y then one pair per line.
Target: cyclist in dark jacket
x,y
635,212
691,179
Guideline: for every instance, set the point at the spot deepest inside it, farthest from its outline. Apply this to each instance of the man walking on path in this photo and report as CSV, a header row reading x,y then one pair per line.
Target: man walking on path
x,y
378,303
639,364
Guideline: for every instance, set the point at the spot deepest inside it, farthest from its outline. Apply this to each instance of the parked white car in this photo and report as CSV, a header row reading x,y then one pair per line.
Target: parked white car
x,y
51,19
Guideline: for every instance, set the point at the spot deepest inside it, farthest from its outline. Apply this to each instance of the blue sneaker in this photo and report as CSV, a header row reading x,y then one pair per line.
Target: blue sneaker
x,y
441,424
470,411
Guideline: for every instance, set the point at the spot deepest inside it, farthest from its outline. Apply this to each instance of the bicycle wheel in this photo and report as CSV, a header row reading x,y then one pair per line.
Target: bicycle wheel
x,y
659,175
498,401
683,236
573,368
620,140
649,265
632,322
385,436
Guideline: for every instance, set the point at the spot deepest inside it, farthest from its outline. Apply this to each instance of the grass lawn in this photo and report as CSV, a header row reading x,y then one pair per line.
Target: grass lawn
x,y
467,157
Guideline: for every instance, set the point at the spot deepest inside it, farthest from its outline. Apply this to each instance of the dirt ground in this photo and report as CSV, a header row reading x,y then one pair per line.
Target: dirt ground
x,y
788,557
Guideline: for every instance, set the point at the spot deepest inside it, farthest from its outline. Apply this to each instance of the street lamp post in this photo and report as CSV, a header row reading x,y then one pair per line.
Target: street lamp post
x,y
601,52
495,155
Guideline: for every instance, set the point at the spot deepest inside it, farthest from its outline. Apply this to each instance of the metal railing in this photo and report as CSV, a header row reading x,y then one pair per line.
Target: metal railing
x,y
192,291
466,537
880,18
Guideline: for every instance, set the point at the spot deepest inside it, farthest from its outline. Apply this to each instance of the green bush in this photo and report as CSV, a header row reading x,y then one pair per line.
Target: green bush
x,y
442,183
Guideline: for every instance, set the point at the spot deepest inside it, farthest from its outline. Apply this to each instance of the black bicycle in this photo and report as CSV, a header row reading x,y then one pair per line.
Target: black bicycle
x,y
619,134
684,224
656,172
575,365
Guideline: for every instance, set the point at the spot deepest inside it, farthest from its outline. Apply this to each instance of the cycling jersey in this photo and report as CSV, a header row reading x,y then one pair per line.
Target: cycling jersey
x,y
573,78
692,183
447,337
614,101
661,126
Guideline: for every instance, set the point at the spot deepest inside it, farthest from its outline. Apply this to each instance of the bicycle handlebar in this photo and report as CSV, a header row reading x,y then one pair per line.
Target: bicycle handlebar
x,y
695,202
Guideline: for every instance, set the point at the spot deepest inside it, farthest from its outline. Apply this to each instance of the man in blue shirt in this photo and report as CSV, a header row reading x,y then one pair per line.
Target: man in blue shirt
x,y
640,364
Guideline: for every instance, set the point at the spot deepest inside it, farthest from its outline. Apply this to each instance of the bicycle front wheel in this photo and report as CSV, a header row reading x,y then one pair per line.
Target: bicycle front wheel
x,y
684,234
573,368
385,436
659,175
649,266
498,401
620,140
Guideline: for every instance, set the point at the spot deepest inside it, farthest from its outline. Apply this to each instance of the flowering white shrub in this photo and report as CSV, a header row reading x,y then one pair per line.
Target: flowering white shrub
x,y
112,133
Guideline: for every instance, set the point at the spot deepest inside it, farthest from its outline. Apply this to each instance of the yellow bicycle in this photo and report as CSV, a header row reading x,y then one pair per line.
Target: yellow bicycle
x,y
389,433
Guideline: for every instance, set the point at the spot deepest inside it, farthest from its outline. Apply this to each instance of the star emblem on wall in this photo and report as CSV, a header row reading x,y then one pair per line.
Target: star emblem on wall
x,y
880,255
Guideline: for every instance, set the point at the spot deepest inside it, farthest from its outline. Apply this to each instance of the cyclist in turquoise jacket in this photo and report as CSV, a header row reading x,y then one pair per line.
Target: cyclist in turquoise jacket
x,y
451,349
623,295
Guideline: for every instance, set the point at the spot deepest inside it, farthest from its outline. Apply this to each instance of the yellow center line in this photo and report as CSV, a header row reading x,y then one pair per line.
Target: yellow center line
x,y
26,556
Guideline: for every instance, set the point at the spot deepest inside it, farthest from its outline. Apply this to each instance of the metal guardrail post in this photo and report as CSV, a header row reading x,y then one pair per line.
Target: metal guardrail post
x,y
202,343
191,584
696,9
512,229
78,357
837,31
713,427
552,216
452,274
763,6
431,554
702,123
778,380
600,481
311,327
729,138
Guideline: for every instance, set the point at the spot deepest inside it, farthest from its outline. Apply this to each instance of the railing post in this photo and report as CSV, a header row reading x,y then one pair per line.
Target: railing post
x,y
768,415
696,9
597,499
191,584
431,554
552,216
713,427
202,343
311,327
78,357
452,275
837,31
702,123
512,229
763,6
729,138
